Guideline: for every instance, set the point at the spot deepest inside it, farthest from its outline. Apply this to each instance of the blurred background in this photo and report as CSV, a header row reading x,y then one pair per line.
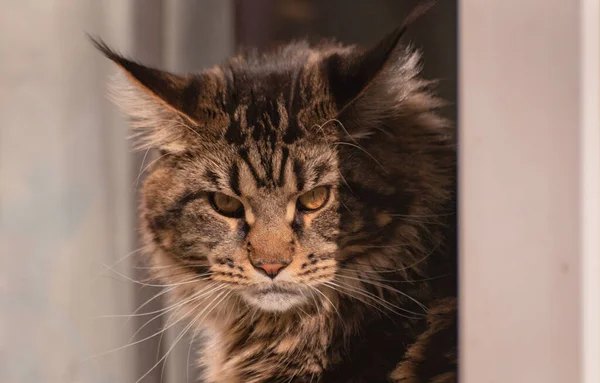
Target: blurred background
x,y
68,179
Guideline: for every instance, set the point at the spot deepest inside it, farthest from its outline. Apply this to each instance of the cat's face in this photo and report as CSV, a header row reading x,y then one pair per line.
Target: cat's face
x,y
261,219
277,170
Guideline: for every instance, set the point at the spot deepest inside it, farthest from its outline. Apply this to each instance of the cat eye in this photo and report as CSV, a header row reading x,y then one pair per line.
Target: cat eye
x,y
226,205
314,199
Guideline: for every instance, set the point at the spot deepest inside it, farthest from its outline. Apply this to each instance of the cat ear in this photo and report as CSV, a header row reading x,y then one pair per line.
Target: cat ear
x,y
349,74
160,104
371,85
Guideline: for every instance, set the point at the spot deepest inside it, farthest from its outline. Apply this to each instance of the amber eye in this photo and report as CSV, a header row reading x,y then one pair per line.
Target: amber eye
x,y
226,205
314,199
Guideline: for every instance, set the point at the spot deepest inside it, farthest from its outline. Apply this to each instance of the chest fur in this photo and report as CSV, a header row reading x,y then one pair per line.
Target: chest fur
x,y
267,349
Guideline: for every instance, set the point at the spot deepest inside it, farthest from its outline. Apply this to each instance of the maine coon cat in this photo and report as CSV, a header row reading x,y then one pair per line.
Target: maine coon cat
x,y
301,213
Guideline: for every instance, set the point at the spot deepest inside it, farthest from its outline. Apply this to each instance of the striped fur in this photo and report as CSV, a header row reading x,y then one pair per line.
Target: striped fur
x,y
369,295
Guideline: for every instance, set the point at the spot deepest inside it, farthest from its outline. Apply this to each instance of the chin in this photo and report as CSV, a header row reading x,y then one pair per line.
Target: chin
x,y
274,300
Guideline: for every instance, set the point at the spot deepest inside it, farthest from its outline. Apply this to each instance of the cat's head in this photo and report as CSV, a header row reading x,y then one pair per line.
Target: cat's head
x,y
259,158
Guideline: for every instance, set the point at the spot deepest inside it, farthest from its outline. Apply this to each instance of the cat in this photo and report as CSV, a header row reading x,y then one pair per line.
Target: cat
x,y
302,212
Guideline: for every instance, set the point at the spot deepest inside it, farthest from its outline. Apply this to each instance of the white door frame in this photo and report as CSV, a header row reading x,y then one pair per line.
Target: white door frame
x,y
529,190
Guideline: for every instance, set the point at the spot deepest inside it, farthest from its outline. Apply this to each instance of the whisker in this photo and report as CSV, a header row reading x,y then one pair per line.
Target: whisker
x,y
173,316
254,312
342,290
196,333
419,221
363,150
135,313
390,306
423,215
380,279
131,344
390,288
187,271
329,300
304,312
161,338
187,364
317,306
410,266
186,265
346,206
178,338
341,125
161,293
135,185
178,305
123,258
148,337
137,179
150,284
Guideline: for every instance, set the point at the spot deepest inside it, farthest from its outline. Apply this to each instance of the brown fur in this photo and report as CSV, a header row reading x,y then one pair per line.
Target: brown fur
x,y
369,292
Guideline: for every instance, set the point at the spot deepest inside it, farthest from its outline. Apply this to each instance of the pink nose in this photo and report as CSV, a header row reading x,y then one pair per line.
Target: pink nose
x,y
272,269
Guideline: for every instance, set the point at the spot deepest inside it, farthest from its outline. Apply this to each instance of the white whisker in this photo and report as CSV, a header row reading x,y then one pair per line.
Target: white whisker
x,y
342,290
384,286
389,306
137,179
381,279
178,338
150,336
134,314
329,300
122,259
405,267
197,296
135,185
150,284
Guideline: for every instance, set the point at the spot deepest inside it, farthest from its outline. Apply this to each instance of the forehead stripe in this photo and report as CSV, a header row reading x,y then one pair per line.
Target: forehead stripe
x,y
299,173
212,177
234,179
284,157
259,181
293,132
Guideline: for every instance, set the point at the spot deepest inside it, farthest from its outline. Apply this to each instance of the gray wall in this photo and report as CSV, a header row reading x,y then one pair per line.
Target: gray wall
x,y
67,190
530,191
65,206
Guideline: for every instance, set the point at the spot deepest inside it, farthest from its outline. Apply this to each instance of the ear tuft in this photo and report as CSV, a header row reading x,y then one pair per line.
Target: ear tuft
x,y
349,74
373,85
154,100
99,44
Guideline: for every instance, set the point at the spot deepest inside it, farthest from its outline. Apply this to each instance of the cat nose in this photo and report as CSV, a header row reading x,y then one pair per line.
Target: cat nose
x,y
272,269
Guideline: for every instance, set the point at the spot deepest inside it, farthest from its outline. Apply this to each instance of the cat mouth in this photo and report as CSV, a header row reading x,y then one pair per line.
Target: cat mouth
x,y
276,290
274,298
